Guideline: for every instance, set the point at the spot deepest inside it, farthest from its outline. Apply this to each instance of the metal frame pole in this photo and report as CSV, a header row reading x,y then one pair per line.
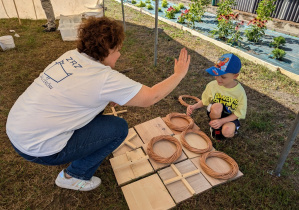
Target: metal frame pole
x,y
287,146
156,32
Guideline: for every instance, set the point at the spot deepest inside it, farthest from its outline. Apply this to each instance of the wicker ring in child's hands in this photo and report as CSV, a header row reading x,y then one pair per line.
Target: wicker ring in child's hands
x,y
187,96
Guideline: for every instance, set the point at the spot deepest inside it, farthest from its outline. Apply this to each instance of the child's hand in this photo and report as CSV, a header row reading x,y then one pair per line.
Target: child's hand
x,y
216,123
190,109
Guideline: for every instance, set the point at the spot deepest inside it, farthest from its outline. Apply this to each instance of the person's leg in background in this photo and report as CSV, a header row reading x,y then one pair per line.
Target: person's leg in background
x,y
47,6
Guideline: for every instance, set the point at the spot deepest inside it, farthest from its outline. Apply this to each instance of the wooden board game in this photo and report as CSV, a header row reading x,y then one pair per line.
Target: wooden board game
x,y
152,128
183,180
130,166
195,141
148,194
137,173
132,141
181,122
163,149
217,165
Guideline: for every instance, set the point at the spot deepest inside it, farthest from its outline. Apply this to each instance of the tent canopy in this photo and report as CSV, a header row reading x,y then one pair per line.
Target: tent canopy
x,y
60,7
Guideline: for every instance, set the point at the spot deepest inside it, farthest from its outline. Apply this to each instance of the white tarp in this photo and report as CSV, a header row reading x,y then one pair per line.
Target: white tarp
x,y
60,7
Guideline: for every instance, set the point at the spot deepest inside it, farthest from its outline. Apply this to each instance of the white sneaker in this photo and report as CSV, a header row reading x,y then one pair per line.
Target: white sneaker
x,y
77,184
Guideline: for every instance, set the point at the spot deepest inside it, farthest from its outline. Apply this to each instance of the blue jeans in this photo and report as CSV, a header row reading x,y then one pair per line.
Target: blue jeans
x,y
87,147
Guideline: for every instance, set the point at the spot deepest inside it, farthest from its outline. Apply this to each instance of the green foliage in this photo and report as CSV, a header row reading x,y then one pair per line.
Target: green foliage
x,y
164,3
224,28
181,6
278,41
141,4
177,8
148,1
149,7
134,2
236,35
265,9
258,24
197,9
170,13
278,53
159,9
255,33
225,7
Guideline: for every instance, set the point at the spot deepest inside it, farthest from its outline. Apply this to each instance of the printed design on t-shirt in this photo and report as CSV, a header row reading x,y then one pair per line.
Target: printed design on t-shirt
x,y
228,101
57,72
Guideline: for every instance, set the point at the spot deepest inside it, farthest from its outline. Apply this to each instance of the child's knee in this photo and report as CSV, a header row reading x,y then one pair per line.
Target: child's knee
x,y
228,131
216,108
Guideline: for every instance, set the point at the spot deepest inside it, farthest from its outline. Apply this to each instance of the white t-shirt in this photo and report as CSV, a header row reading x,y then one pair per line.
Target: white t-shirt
x,y
66,96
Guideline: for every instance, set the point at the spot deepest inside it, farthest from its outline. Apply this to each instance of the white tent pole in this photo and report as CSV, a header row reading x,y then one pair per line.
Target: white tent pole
x,y
123,11
34,9
17,12
156,32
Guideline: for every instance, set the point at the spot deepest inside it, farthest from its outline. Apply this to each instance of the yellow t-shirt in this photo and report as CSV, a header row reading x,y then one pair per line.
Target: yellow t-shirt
x,y
234,99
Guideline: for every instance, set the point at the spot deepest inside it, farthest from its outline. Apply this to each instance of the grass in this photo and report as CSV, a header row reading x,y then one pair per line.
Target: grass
x,y
273,101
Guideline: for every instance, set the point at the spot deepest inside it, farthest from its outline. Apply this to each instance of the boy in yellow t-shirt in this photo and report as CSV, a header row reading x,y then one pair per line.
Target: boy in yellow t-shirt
x,y
224,97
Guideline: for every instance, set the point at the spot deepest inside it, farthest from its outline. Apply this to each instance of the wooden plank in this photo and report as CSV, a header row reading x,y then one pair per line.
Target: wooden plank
x,y
217,165
195,141
123,148
130,166
152,128
191,182
164,149
180,122
148,194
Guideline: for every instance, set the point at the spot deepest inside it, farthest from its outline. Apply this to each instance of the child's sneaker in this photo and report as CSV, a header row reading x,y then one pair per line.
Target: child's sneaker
x,y
216,134
77,184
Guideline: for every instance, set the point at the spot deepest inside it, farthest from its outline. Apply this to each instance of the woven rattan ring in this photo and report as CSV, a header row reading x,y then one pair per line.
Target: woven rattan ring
x,y
176,127
193,149
234,168
187,96
157,158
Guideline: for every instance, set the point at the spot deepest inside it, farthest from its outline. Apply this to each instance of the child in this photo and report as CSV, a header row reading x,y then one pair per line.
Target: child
x,y
224,97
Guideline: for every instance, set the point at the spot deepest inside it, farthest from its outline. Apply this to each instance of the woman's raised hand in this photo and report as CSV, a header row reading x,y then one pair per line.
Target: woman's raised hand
x,y
181,65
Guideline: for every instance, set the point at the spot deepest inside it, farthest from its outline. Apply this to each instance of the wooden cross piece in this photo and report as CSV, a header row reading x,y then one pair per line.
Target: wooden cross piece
x,y
127,142
131,162
116,112
182,177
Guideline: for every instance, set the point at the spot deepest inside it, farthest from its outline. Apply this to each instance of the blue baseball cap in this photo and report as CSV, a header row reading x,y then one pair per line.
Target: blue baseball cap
x,y
227,63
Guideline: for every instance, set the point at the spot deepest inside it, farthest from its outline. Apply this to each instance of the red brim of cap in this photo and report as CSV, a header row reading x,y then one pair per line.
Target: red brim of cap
x,y
215,71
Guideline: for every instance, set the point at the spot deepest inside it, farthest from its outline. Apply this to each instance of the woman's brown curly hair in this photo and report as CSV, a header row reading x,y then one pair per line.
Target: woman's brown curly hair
x,y
98,35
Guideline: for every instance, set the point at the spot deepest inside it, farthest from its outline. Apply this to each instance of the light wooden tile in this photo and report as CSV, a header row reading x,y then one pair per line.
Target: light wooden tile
x,y
218,165
123,148
148,194
152,128
164,149
195,141
180,122
178,190
130,166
